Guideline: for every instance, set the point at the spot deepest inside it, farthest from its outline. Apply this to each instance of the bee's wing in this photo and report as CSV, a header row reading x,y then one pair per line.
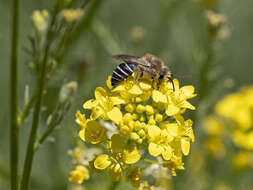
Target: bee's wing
x,y
130,59
126,58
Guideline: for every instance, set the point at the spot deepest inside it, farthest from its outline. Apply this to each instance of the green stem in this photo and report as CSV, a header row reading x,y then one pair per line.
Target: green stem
x,y
114,185
206,68
65,41
151,161
14,131
50,127
36,116
27,108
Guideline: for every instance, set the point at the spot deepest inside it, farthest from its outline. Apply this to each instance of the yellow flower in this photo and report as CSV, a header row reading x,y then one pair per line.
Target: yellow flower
x,y
159,142
239,108
242,160
104,106
71,15
93,132
214,19
215,146
174,164
40,20
81,120
133,175
79,174
120,158
148,119
235,106
243,139
145,186
213,126
82,154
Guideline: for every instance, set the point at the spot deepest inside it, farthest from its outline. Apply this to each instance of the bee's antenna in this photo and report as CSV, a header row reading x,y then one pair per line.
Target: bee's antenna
x,y
171,80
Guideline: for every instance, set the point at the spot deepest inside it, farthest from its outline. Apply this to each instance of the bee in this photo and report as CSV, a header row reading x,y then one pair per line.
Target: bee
x,y
148,64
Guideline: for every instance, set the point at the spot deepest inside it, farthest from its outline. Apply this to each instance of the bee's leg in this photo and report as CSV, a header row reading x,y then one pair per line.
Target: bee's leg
x,y
170,79
158,83
137,77
152,84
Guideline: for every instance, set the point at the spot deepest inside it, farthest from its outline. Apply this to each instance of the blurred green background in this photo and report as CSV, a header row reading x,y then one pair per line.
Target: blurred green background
x,y
174,30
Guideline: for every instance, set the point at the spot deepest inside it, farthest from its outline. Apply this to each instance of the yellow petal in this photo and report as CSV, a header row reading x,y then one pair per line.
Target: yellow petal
x,y
96,112
118,88
100,92
90,104
117,143
154,132
154,149
117,100
94,132
82,134
172,110
159,97
172,129
191,135
188,91
115,115
108,82
185,146
102,162
80,119
186,104
145,85
131,155
167,152
79,174
135,90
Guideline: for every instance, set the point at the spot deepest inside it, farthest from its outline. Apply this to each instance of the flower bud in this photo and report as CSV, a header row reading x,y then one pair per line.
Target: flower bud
x,y
67,91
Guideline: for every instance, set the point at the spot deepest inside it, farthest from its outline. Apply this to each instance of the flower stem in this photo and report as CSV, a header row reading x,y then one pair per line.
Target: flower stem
x,y
151,161
114,185
14,131
206,67
27,108
50,127
36,116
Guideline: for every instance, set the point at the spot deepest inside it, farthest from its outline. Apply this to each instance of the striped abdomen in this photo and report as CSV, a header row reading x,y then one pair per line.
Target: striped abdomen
x,y
121,72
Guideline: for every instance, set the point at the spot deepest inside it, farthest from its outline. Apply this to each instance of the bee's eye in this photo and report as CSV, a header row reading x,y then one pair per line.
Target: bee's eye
x,y
161,75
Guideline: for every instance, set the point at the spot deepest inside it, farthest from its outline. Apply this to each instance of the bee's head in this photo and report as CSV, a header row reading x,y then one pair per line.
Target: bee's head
x,y
166,75
162,74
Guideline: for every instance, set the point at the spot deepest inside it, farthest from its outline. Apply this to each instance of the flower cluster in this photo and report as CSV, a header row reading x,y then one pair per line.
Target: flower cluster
x,y
238,107
40,20
218,24
79,174
71,15
149,126
81,155
215,132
